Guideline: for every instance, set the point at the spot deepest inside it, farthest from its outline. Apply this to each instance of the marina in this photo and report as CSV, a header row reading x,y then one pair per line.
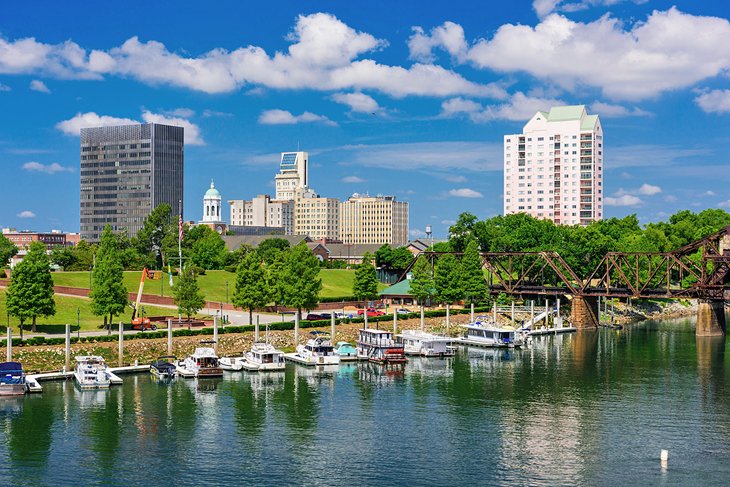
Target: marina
x,y
203,363
420,343
317,351
378,346
264,357
485,333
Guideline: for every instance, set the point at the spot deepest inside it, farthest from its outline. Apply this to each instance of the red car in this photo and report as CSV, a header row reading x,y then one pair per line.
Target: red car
x,y
371,312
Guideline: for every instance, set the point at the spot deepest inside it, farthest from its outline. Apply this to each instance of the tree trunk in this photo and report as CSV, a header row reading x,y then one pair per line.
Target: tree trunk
x,y
33,327
299,313
250,316
21,329
109,327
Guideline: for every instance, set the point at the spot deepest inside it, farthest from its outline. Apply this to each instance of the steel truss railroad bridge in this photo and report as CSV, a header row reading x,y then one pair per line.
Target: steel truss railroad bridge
x,y
700,270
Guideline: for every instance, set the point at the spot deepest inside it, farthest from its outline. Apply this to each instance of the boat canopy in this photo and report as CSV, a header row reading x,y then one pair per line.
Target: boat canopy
x,y
8,367
317,332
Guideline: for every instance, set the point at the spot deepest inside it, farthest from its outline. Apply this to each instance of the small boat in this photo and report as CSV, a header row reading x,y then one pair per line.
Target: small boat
x,y
232,364
416,342
162,368
202,363
317,351
483,333
264,357
12,379
378,346
346,351
91,372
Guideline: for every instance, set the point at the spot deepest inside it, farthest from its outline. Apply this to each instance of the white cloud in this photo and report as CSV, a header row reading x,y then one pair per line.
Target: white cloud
x,y
213,113
358,102
715,101
448,222
416,233
545,7
449,36
709,193
40,86
625,200
352,179
283,117
630,61
520,107
427,156
649,190
5,87
192,131
724,204
52,168
670,198
180,112
324,54
74,125
26,214
465,193
607,110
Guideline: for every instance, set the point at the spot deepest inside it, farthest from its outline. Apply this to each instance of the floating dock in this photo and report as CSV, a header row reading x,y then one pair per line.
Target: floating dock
x,y
34,380
474,343
293,357
553,331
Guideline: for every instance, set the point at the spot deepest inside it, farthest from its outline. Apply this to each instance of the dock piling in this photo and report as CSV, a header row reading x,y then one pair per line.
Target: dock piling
x,y
471,313
395,321
9,346
532,314
68,346
256,329
332,326
513,314
121,344
169,336
296,329
215,334
423,324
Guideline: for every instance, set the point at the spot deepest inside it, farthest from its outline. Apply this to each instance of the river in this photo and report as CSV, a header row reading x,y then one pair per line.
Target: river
x,y
580,409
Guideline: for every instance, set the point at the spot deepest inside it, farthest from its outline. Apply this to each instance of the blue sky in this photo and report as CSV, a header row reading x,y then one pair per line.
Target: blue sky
x,y
409,98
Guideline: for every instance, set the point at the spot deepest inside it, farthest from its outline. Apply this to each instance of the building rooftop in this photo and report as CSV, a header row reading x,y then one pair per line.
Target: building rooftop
x,y
569,112
212,192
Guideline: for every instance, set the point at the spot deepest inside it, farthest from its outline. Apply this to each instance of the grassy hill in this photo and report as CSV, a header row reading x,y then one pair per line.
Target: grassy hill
x,y
335,282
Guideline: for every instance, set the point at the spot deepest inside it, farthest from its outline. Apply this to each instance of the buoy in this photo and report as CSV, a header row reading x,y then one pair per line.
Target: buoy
x,y
664,456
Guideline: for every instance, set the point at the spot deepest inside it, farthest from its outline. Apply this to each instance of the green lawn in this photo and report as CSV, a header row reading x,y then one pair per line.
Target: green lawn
x,y
66,312
335,282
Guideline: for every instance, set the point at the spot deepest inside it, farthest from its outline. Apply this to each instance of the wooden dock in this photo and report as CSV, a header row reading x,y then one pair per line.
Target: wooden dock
x,y
34,380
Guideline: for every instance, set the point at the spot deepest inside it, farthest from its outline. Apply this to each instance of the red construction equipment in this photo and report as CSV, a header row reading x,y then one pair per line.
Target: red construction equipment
x,y
140,322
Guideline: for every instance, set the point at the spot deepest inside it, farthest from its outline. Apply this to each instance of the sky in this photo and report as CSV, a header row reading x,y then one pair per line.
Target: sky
x,y
408,98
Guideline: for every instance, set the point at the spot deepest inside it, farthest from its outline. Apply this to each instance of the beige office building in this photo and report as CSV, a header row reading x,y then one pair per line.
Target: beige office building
x,y
293,174
315,216
262,211
374,220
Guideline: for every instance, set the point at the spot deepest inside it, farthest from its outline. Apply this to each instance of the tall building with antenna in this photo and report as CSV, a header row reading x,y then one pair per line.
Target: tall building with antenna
x,y
293,174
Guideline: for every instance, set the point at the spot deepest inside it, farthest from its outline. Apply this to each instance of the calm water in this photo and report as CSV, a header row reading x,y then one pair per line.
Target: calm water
x,y
582,409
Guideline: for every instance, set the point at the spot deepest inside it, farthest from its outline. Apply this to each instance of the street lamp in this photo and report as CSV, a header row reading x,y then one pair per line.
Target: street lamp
x,y
78,323
226,292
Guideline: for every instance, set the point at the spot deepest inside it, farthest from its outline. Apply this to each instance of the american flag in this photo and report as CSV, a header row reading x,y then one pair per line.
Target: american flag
x,y
180,227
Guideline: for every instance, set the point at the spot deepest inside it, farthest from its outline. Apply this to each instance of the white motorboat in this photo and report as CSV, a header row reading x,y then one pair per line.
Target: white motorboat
x,y
232,364
483,333
91,372
416,342
378,346
264,357
202,363
317,351
162,368
12,379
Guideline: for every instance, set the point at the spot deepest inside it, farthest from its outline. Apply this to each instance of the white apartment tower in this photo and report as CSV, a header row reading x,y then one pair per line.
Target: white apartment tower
x,y
293,174
368,219
262,211
554,168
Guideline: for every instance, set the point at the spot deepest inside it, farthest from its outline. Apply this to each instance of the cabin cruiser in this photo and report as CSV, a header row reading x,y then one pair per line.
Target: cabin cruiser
x,y
12,379
163,368
483,333
264,357
317,351
91,372
232,364
416,342
378,346
202,363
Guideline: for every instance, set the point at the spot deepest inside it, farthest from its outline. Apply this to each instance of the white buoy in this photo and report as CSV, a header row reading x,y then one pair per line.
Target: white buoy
x,y
664,456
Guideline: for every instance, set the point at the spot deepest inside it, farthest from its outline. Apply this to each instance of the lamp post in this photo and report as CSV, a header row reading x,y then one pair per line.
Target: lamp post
x,y
78,323
226,292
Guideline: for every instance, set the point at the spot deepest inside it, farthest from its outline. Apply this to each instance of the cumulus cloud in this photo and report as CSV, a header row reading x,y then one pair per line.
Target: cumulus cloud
x,y
724,204
40,86
52,168
631,61
625,200
5,87
26,214
715,101
74,125
709,193
649,189
352,179
545,7
465,193
324,54
607,110
520,107
449,36
283,117
358,102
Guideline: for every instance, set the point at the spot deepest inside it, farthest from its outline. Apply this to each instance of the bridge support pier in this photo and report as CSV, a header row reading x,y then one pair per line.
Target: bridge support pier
x,y
584,312
710,318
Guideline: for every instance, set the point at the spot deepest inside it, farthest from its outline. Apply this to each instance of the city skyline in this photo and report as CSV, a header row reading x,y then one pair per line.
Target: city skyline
x,y
392,100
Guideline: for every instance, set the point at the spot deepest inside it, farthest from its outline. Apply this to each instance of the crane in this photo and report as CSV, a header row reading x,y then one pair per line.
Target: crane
x,y
141,322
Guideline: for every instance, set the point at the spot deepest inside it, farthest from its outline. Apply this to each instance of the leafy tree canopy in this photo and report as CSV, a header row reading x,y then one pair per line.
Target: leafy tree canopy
x,y
365,283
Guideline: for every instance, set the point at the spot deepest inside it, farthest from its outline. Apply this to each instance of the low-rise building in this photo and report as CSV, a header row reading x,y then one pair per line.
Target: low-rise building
x,y
316,216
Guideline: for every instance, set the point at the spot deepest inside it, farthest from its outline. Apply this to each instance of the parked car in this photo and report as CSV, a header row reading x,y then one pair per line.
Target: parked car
x,y
403,311
314,317
326,316
371,312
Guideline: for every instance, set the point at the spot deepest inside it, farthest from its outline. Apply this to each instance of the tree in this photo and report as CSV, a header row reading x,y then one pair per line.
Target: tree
x,y
301,278
461,232
422,286
209,250
384,256
365,283
30,293
448,279
269,247
187,295
149,240
276,275
7,250
108,294
400,259
251,289
475,287
63,256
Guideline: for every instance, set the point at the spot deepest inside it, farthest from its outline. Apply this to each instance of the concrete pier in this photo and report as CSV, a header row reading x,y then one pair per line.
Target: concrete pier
x,y
9,346
584,312
710,318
